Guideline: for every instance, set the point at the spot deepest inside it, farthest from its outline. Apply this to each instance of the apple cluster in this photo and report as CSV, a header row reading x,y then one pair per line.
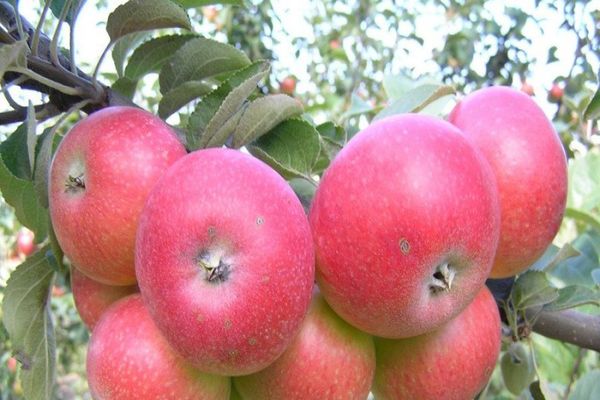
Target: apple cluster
x,y
196,271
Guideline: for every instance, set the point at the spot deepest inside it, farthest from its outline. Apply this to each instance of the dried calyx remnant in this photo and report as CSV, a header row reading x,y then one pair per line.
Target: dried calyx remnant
x,y
75,183
215,269
442,278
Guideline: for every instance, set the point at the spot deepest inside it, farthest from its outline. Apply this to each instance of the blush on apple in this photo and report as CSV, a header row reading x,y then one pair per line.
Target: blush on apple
x,y
529,163
453,362
225,261
25,242
328,359
405,223
93,298
128,359
100,177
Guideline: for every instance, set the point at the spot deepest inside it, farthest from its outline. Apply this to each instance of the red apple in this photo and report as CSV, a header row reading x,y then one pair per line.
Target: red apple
x,y
11,364
210,13
100,177
329,359
288,85
93,298
405,223
527,88
334,44
225,261
529,162
556,93
25,242
452,363
129,359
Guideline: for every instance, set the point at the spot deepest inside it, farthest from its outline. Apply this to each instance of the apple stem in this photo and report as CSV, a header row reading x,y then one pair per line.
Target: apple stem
x,y
442,278
75,183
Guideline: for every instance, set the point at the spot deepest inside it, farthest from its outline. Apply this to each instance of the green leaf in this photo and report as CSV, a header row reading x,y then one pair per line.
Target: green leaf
x,y
16,184
532,289
14,153
222,104
587,387
201,3
592,111
26,316
416,99
145,15
180,96
577,270
31,135
333,132
584,182
549,353
573,296
536,390
123,47
262,115
42,166
304,190
13,56
396,85
357,107
332,139
565,252
57,6
583,216
596,276
292,148
153,54
125,87
198,59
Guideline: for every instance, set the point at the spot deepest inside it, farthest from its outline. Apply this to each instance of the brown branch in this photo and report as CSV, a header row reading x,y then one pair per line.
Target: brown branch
x,y
569,326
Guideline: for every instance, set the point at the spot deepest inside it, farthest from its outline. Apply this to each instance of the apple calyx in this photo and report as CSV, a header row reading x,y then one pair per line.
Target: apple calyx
x,y
442,278
215,269
75,183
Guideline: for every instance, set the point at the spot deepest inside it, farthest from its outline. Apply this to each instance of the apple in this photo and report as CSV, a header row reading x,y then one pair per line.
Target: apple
x,y
225,261
288,85
530,166
334,44
129,359
527,88
517,367
11,364
210,13
405,223
556,93
25,242
93,298
329,359
100,177
453,362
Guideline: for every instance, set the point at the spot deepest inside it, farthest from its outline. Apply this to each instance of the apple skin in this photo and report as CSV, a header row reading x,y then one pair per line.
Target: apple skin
x,y
288,85
129,359
328,359
530,166
452,363
93,298
11,364
25,242
556,92
405,196
527,88
120,152
225,261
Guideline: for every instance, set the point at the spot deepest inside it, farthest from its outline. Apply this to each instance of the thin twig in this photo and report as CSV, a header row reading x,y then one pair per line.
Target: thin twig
x,y
38,29
574,372
56,37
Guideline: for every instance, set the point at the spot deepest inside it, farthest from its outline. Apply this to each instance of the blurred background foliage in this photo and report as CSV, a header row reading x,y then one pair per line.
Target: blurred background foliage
x,y
346,61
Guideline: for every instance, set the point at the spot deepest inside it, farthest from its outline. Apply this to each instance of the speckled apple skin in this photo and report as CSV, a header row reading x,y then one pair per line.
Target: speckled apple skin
x,y
530,166
227,201
405,195
93,298
122,151
128,359
327,360
452,363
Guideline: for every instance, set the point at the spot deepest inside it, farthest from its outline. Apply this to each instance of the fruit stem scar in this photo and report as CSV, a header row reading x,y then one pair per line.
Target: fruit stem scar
x,y
442,278
75,183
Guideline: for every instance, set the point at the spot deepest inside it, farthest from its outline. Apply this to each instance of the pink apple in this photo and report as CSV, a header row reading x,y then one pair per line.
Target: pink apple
x,y
101,175
452,363
25,242
329,359
529,163
93,298
225,261
405,224
129,359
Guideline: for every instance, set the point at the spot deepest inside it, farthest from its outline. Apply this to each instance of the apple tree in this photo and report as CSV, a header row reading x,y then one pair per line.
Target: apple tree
x,y
211,69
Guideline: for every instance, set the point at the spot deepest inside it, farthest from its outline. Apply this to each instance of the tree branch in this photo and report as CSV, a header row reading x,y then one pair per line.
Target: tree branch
x,y
569,326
